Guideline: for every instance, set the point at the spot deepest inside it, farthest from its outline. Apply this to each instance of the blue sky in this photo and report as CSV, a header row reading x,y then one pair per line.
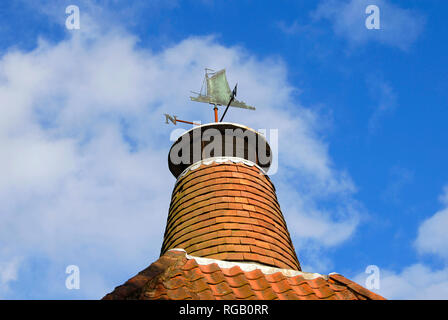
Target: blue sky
x,y
362,133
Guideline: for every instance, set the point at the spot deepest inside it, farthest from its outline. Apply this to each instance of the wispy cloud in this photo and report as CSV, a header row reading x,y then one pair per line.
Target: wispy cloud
x,y
293,28
400,27
432,236
8,273
399,178
419,280
386,100
443,198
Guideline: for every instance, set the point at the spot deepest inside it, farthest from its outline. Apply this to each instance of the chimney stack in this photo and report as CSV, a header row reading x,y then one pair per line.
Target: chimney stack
x,y
223,205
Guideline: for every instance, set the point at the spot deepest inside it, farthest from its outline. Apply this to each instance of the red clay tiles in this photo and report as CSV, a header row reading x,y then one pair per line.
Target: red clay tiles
x,y
178,276
229,197
227,218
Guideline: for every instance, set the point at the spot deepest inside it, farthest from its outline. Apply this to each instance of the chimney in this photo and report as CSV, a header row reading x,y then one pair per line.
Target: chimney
x,y
223,205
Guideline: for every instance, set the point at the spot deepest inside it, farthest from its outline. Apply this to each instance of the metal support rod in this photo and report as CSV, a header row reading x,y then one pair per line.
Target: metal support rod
x,y
197,124
216,113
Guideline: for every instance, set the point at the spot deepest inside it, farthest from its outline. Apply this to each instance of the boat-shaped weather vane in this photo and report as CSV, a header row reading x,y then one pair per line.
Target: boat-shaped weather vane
x,y
217,93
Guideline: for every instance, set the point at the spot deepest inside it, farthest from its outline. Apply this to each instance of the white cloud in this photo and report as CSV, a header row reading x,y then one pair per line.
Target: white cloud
x,y
382,92
432,237
417,281
420,281
399,27
319,226
84,150
293,28
8,270
443,198
8,273
399,178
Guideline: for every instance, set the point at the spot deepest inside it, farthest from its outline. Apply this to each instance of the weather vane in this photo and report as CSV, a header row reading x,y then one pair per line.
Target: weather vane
x,y
217,94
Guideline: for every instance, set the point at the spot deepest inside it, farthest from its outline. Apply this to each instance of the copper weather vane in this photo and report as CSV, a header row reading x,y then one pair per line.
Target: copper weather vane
x,y
217,93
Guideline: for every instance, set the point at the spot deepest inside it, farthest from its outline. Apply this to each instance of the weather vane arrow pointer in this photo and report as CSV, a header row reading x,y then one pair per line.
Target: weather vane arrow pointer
x,y
230,101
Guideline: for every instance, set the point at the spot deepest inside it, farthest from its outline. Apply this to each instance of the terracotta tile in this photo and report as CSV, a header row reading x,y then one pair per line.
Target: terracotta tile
x,y
231,168
236,206
155,295
264,245
303,289
345,295
226,248
258,250
336,287
222,206
214,277
229,296
204,244
174,283
234,256
219,256
259,284
221,219
360,291
323,292
225,233
275,277
317,283
189,265
254,274
233,240
209,268
234,271
237,281
245,240
238,233
266,260
267,294
247,207
242,213
297,280
280,286
178,294
221,289
242,248
206,295
331,297
194,274
288,295
250,256
234,209
243,292
312,297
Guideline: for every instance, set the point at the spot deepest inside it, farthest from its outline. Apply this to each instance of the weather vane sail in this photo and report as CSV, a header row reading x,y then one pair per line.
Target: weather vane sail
x,y
218,93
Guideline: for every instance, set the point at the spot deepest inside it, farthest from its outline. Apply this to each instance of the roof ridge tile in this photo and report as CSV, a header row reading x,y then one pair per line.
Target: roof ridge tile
x,y
355,287
177,276
252,266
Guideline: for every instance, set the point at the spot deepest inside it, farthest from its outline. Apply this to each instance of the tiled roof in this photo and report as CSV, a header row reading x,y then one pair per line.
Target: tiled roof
x,y
229,211
178,276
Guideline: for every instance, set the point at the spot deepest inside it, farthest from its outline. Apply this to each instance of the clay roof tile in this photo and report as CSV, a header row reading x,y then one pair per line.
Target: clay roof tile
x,y
178,276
